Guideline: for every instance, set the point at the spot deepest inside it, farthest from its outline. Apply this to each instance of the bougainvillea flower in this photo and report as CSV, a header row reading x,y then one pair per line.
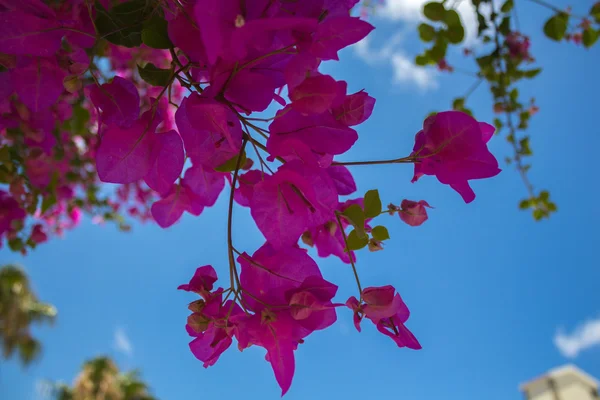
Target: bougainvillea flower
x,y
11,211
322,134
118,100
38,235
169,157
23,33
205,146
355,109
335,33
246,182
413,213
314,95
206,183
38,82
453,147
202,282
387,311
171,207
125,154
210,139
342,179
328,238
294,199
311,303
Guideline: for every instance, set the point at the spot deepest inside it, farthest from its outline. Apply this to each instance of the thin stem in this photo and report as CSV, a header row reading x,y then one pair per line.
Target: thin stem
x,y
404,160
337,217
508,113
473,88
555,9
232,268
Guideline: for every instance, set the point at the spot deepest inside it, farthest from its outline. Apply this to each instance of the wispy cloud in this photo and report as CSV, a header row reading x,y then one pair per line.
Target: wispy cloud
x,y
411,11
43,390
585,336
405,71
121,342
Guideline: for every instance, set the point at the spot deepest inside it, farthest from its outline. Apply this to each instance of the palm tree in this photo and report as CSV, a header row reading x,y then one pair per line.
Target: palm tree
x,y
19,309
100,379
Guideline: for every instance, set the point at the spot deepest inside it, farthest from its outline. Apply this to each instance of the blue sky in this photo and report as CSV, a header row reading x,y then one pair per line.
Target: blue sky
x,y
488,288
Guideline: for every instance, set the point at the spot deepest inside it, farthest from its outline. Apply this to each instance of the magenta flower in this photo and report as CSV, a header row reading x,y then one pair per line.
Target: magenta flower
x,y
9,211
202,282
413,213
453,147
387,311
296,198
118,100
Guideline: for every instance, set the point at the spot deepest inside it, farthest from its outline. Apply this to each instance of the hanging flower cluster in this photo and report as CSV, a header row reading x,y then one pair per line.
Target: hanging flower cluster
x,y
174,152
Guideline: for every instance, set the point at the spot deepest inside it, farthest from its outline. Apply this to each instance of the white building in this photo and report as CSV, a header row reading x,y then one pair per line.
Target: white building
x,y
563,383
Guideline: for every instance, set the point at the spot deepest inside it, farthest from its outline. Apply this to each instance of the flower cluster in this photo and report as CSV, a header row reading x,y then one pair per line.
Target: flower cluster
x,y
174,152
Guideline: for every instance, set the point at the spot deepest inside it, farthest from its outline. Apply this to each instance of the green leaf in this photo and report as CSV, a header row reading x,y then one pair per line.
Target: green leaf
x,y
498,124
48,201
355,242
79,120
15,244
356,216
380,233
434,11
426,32
155,33
595,12
556,27
123,24
229,165
532,73
590,36
525,204
525,150
456,34
421,60
485,61
155,76
504,27
452,19
507,6
438,51
481,24
372,204
458,103
538,214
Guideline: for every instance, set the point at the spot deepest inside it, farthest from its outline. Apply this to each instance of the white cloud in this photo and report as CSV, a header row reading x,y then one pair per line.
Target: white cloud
x,y
122,343
585,336
405,71
43,390
411,11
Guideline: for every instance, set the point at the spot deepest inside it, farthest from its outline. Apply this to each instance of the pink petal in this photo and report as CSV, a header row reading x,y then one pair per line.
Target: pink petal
x,y
169,210
119,101
22,33
355,109
206,184
342,179
125,154
202,145
38,82
169,159
281,357
314,95
336,33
